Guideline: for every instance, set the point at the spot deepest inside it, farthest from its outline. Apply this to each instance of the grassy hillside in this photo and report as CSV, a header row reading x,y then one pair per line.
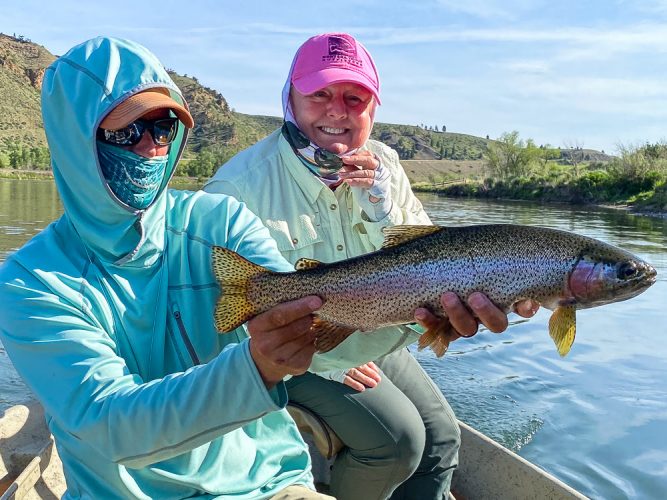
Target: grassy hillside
x,y
442,171
219,131
415,143
22,66
216,125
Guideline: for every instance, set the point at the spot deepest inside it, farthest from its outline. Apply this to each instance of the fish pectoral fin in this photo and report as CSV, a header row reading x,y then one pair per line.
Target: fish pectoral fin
x,y
437,338
329,335
563,328
233,273
395,235
305,263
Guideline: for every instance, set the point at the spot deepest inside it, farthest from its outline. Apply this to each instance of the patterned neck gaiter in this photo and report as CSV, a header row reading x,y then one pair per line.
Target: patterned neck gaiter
x,y
134,180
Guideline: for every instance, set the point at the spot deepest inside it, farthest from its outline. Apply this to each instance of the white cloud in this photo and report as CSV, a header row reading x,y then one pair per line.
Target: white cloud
x,y
506,10
636,36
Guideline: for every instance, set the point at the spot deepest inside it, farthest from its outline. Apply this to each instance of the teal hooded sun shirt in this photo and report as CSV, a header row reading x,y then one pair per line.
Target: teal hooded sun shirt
x,y
108,315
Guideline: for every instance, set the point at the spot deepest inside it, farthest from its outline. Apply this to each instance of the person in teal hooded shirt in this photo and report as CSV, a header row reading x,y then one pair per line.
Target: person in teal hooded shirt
x,y
108,313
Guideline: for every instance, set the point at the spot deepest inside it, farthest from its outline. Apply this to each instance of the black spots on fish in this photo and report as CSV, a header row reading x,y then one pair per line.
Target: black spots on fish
x,y
304,263
397,235
506,262
234,275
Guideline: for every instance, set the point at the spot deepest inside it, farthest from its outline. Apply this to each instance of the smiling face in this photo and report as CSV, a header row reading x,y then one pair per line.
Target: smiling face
x,y
338,118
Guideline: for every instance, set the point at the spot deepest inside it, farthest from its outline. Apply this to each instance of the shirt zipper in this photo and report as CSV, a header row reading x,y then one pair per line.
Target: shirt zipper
x,y
186,339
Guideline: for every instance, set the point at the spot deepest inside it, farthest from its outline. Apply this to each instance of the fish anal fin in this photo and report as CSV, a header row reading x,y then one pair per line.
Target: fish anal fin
x,y
233,273
329,335
437,339
563,328
305,263
395,235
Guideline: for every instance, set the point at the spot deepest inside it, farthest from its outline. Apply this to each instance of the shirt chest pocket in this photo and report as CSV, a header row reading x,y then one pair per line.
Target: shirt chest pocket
x,y
300,236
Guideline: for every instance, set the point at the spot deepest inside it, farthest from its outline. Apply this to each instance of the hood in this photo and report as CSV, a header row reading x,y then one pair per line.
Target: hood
x,y
79,89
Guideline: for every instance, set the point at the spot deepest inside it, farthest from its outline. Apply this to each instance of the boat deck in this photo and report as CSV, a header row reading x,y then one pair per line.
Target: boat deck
x,y
31,469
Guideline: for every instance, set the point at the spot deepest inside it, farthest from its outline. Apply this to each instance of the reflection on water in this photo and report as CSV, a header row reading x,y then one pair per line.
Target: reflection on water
x,y
26,207
596,419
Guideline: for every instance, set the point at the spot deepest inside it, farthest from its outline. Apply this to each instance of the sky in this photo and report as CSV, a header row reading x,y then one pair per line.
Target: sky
x,y
586,73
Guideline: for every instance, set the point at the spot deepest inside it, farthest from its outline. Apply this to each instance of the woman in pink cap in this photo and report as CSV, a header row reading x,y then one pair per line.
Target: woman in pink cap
x,y
326,191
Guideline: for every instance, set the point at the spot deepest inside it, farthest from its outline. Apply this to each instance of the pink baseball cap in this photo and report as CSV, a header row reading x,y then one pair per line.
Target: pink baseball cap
x,y
334,58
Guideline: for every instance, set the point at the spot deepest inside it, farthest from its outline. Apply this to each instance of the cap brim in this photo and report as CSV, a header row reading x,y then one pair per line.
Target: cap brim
x,y
320,79
139,104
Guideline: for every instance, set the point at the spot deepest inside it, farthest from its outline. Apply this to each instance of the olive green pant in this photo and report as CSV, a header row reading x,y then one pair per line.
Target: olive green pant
x,y
401,437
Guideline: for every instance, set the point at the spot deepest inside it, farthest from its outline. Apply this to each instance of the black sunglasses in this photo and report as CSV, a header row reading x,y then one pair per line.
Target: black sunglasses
x,y
163,131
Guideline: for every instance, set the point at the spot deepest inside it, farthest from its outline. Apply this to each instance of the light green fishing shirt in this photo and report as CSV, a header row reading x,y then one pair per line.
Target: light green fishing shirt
x,y
308,219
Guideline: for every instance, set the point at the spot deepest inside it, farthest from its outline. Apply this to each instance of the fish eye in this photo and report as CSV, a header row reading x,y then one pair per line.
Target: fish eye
x,y
627,270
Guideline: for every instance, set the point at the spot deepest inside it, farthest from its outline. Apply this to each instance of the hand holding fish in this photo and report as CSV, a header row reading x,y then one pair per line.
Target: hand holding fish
x,y
462,322
282,341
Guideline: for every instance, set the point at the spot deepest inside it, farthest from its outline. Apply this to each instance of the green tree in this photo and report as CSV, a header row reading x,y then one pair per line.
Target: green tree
x,y
509,157
405,148
15,157
547,152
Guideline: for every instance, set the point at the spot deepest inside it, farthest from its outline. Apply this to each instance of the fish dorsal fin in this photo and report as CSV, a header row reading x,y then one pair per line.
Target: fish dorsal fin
x,y
395,235
563,328
304,263
329,335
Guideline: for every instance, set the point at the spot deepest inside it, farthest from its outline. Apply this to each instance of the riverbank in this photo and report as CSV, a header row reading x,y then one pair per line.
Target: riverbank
x,y
452,179
617,193
6,173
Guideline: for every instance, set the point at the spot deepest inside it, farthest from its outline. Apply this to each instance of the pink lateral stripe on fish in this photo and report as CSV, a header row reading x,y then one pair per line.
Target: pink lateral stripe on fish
x,y
563,271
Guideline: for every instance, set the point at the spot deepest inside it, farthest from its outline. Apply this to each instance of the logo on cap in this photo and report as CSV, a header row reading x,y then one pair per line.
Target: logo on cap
x,y
342,51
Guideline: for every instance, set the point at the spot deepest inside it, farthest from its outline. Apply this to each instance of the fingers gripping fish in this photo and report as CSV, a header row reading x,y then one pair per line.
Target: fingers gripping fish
x,y
563,271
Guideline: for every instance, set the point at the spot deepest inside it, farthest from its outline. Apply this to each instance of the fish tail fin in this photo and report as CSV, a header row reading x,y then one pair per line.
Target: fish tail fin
x,y
563,328
437,339
234,274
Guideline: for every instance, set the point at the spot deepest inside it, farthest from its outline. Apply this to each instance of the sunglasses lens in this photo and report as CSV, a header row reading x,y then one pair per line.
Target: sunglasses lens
x,y
164,131
127,136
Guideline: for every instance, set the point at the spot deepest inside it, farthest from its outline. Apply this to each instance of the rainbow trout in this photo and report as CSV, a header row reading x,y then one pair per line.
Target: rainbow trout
x,y
562,271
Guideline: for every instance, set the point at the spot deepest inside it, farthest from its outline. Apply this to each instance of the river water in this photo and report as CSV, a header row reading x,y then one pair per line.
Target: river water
x,y
596,419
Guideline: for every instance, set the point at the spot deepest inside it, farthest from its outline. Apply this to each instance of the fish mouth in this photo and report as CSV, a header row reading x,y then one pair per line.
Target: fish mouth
x,y
648,274
645,277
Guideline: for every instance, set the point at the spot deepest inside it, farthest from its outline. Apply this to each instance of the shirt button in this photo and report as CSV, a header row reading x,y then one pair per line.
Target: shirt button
x,y
339,247
294,241
333,206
